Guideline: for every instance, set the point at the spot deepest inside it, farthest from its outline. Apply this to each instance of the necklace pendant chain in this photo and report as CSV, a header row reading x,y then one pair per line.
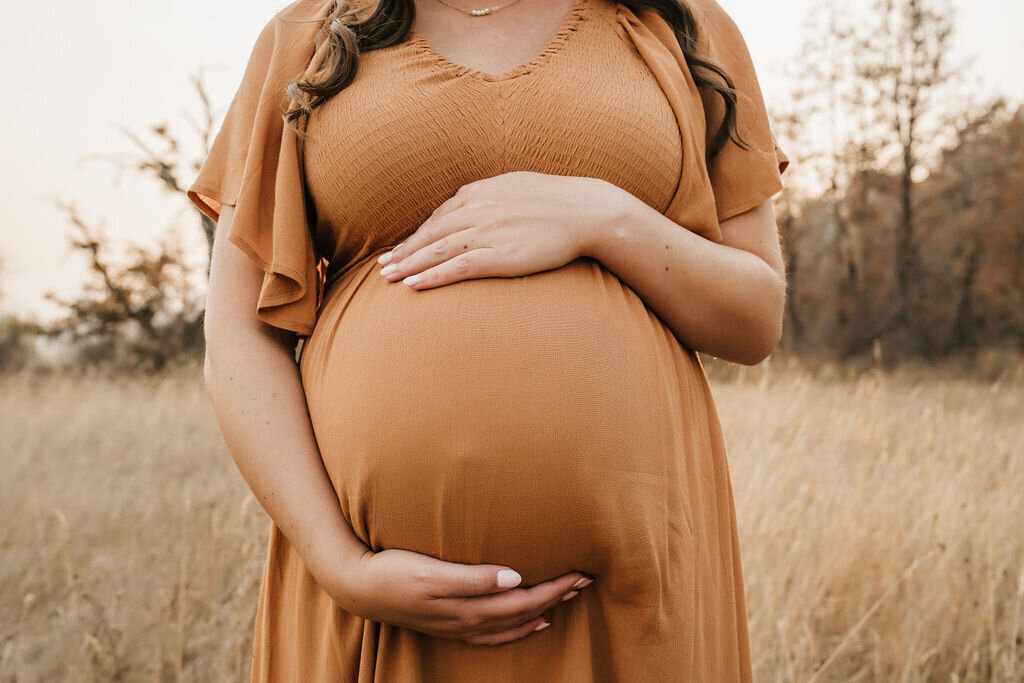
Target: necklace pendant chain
x,y
477,12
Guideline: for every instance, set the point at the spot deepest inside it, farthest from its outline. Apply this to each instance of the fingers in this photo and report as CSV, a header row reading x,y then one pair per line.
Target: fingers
x,y
489,628
483,602
505,610
451,580
468,265
431,229
508,635
460,254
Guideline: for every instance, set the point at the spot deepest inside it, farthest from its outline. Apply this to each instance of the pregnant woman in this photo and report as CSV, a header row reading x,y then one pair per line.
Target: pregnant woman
x,y
464,261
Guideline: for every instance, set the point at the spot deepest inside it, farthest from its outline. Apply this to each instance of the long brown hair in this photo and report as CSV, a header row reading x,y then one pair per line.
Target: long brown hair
x,y
352,28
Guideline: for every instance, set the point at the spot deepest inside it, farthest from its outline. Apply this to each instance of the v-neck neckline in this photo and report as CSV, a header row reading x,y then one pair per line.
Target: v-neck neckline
x,y
568,25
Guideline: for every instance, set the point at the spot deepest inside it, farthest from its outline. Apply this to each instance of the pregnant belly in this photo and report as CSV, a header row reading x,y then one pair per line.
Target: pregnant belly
x,y
535,422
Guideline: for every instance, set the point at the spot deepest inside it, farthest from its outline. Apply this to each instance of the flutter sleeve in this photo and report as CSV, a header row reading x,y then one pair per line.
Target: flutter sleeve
x,y
254,165
740,178
737,179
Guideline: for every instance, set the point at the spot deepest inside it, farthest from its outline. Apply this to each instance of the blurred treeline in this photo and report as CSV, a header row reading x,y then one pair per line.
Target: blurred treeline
x,y
902,221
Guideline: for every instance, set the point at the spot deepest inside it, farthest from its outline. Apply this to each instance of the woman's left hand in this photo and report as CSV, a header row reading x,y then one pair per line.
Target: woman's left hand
x,y
509,225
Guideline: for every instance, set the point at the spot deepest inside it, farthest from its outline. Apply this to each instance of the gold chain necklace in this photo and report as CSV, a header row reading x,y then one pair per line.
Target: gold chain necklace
x,y
477,12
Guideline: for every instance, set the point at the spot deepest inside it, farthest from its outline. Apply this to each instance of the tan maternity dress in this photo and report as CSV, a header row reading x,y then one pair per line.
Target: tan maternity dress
x,y
550,422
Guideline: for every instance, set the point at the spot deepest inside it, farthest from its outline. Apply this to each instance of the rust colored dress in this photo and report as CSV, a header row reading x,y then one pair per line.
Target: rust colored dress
x,y
550,422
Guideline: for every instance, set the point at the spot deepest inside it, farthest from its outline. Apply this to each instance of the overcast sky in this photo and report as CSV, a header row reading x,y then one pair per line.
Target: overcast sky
x,y
73,73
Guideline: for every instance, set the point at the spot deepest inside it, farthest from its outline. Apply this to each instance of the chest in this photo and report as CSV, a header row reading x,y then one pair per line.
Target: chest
x,y
414,126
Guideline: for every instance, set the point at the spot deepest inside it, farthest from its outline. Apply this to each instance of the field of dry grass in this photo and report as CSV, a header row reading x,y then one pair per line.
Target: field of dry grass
x,y
881,516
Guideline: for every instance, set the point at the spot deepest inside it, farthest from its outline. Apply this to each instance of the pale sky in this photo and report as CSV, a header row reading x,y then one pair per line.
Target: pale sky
x,y
75,72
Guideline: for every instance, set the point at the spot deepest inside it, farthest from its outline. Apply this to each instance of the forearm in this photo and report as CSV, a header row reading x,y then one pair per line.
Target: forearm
x,y
266,426
716,298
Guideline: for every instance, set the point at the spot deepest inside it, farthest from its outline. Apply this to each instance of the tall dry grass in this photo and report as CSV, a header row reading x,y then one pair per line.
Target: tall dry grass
x,y
881,522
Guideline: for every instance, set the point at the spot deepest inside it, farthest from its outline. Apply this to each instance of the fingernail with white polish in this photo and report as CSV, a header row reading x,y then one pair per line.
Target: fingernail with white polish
x,y
507,578
542,625
385,257
412,279
570,595
387,270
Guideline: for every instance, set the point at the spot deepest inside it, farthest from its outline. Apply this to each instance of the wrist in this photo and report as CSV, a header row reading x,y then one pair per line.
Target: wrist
x,y
350,589
612,214
333,557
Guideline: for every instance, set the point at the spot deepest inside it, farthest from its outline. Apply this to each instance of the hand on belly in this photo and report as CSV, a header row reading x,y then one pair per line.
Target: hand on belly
x,y
480,604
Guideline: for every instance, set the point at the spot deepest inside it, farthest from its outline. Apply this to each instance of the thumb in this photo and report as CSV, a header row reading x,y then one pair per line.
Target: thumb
x,y
481,579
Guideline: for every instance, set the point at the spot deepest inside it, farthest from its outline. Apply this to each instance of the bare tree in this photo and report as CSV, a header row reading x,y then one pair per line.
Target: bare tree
x,y
904,67
871,90
160,153
827,106
141,316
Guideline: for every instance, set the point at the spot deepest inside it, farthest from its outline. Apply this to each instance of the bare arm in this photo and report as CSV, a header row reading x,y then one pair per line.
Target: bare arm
x,y
252,381
254,385
724,298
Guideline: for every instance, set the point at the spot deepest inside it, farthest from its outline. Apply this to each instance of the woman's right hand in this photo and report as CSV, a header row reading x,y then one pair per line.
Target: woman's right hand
x,y
479,604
